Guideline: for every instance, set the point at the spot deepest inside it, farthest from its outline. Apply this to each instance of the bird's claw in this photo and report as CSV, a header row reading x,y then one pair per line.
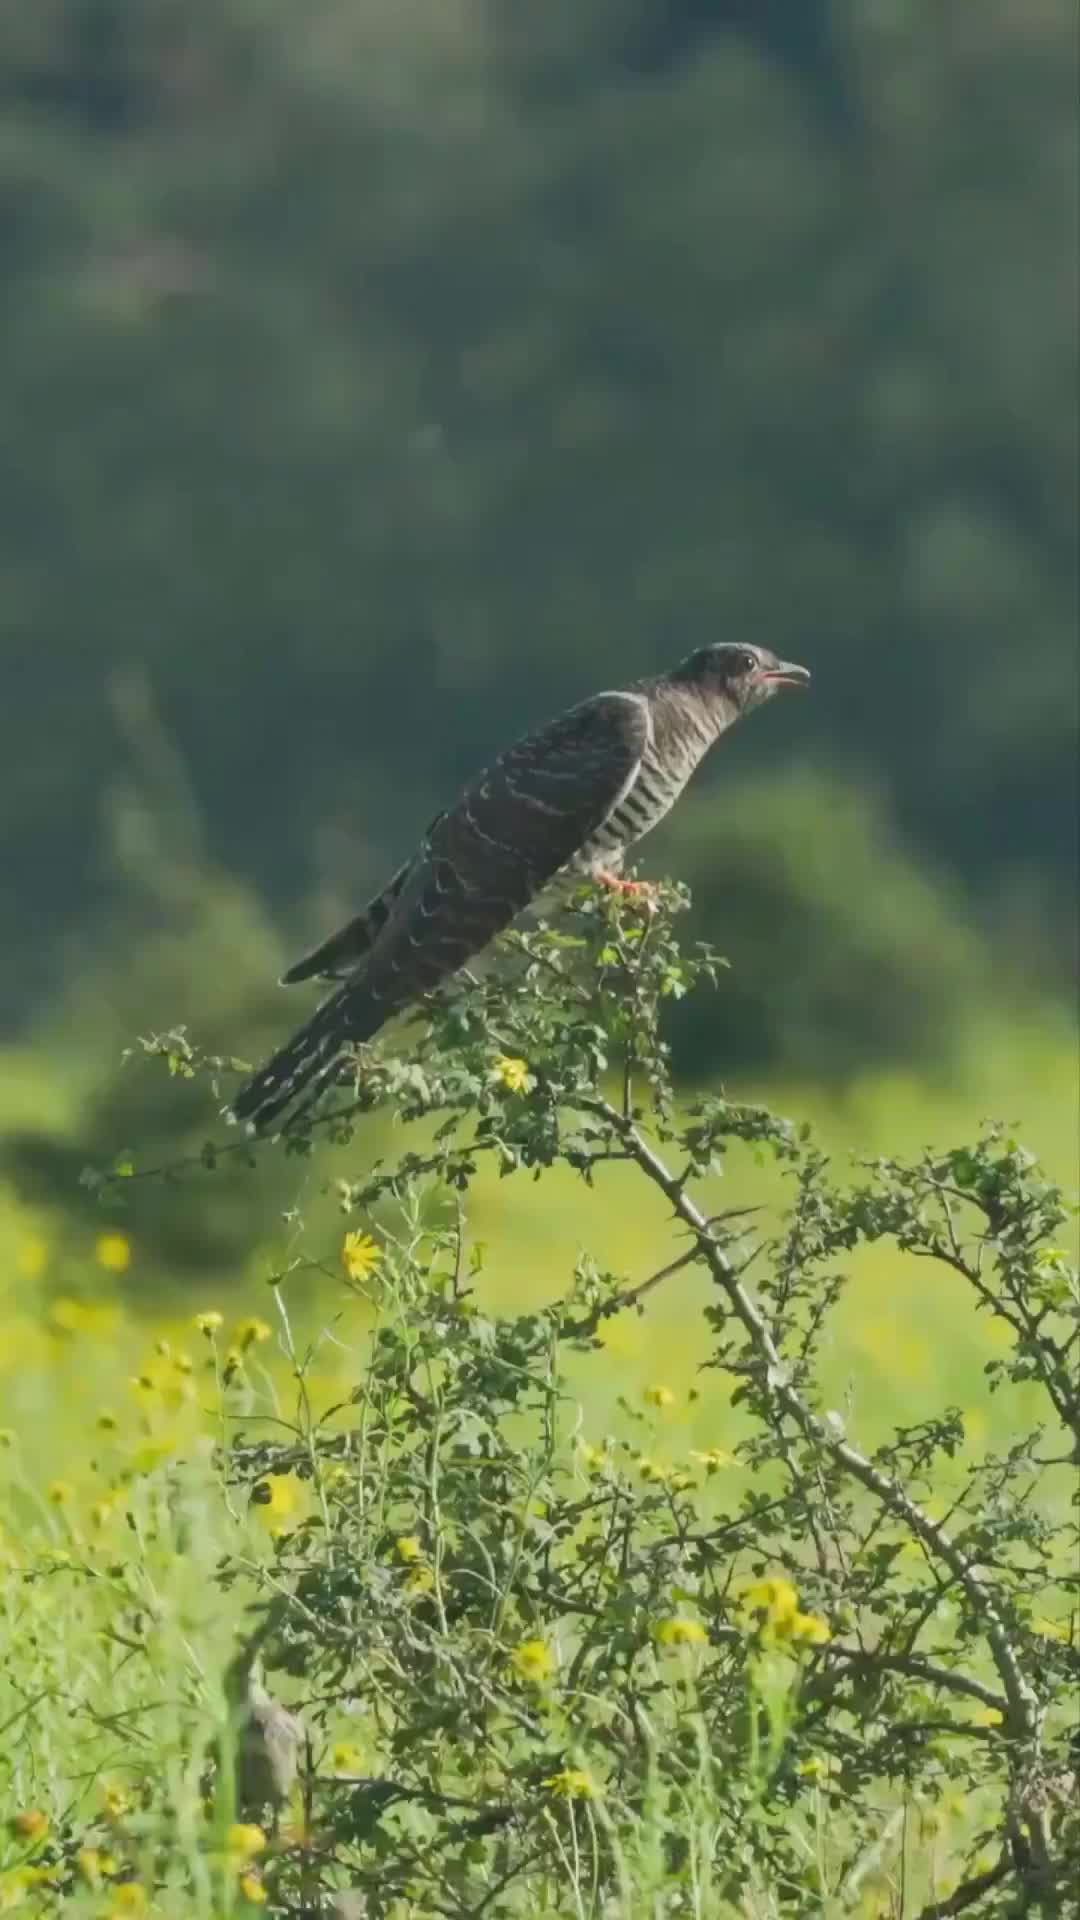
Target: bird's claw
x,y
645,891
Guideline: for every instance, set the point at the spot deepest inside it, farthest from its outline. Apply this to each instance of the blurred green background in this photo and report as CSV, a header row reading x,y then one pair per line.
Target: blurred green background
x,y
380,376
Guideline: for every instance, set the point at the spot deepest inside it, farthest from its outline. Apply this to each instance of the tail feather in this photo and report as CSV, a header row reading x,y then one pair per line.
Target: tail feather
x,y
306,1062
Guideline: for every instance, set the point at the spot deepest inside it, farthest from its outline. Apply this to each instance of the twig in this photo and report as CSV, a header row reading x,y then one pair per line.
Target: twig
x,y
1022,1715
629,1296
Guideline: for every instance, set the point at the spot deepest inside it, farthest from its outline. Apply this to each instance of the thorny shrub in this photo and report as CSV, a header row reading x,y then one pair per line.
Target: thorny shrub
x,y
587,1683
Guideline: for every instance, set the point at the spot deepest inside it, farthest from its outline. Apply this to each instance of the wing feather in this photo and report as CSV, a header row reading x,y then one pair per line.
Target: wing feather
x,y
340,956
511,832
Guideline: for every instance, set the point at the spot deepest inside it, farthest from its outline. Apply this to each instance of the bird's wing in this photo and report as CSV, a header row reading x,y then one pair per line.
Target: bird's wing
x,y
491,854
340,956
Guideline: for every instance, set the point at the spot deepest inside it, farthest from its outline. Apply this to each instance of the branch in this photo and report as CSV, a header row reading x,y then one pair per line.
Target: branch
x,y
627,1296
969,1891
919,1669
1022,1715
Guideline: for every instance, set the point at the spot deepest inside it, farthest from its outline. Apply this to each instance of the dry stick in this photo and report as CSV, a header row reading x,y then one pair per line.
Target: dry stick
x,y
1022,1718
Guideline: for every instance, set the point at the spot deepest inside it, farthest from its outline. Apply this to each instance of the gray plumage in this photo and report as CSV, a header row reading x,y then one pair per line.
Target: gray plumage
x,y
574,796
267,1741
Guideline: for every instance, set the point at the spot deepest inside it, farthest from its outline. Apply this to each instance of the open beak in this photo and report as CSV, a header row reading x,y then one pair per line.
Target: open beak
x,y
785,674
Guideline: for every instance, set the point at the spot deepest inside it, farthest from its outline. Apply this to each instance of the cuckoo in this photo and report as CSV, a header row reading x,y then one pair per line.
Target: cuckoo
x,y
268,1740
569,799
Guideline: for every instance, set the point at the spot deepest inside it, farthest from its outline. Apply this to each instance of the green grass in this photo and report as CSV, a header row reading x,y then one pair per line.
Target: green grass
x,y
904,1336
111,1385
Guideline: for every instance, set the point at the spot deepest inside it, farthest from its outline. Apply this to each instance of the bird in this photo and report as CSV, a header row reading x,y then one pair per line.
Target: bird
x,y
267,1740
568,800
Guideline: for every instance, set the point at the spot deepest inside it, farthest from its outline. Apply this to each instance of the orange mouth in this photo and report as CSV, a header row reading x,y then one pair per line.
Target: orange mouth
x,y
787,674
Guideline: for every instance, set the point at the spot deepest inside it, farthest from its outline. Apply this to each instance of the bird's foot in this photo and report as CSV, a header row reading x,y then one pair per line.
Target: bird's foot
x,y
646,891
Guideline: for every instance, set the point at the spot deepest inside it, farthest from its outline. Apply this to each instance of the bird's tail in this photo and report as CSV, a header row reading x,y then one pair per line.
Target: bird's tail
x,y
305,1064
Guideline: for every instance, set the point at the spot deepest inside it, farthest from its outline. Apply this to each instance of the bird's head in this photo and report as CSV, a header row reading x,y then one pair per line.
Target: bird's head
x,y
738,676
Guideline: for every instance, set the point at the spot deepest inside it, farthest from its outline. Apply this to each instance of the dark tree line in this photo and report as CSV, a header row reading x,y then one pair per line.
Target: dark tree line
x,y
378,380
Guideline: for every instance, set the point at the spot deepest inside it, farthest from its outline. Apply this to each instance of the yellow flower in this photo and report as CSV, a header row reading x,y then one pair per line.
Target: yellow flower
x,y
89,1862
115,1801
809,1627
277,1498
345,1757
514,1074
594,1458
408,1547
208,1323
336,1476
774,1600
127,1899
60,1493
233,1364
661,1476
252,1889
31,1257
681,1633
987,1717
772,1606
30,1823
82,1316
657,1396
533,1662
812,1768
713,1458
244,1841
101,1513
419,1580
252,1333
113,1252
360,1255
572,1783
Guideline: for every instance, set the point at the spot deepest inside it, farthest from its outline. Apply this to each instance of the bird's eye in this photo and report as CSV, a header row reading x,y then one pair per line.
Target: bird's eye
x,y
747,662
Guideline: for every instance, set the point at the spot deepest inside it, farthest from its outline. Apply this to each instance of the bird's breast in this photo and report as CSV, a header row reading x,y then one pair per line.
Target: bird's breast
x,y
653,794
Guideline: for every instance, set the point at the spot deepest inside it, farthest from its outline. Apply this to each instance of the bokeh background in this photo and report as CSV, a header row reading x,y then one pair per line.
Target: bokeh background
x,y
379,376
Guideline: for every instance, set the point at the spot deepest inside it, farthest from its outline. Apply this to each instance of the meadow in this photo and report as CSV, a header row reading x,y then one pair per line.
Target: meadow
x,y
135,1542
83,1308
